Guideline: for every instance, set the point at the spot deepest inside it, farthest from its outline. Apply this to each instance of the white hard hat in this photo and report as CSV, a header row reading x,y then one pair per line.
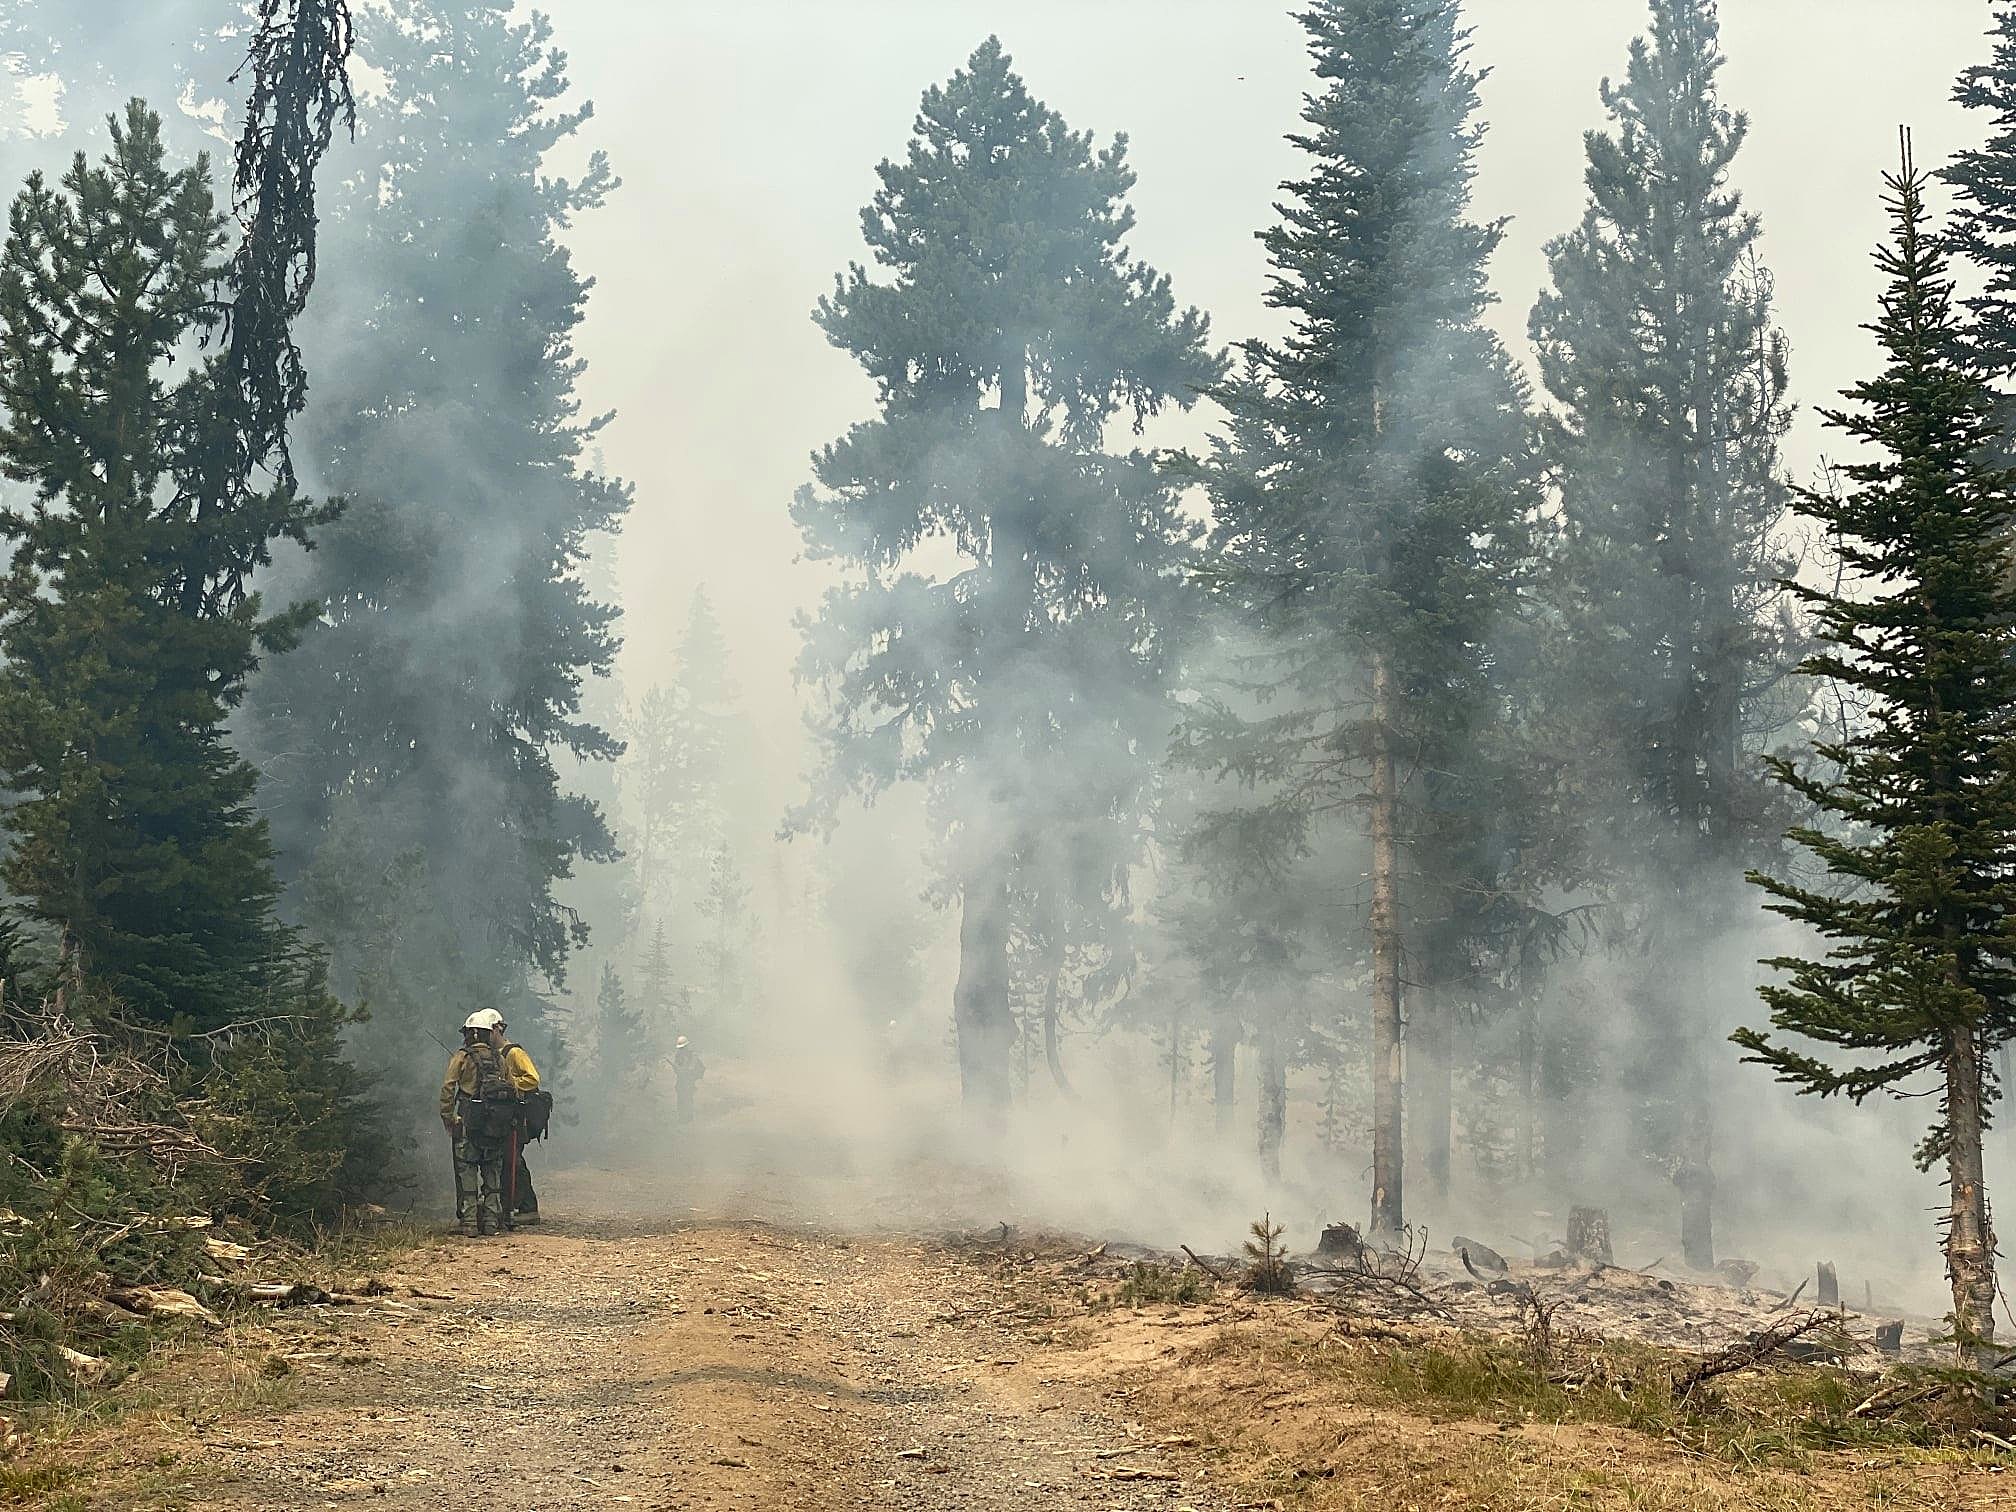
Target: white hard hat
x,y
484,1018
680,1046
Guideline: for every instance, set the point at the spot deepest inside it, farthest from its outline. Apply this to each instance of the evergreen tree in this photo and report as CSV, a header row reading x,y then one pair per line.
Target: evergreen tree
x,y
661,1003
1668,631
619,1030
125,644
1370,492
423,712
727,947
1027,684
1984,230
675,771
1919,977
128,634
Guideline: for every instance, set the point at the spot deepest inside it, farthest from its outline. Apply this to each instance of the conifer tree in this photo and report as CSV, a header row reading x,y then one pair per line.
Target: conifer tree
x,y
422,715
1668,376
675,771
1919,975
1370,490
1027,684
125,641
1984,230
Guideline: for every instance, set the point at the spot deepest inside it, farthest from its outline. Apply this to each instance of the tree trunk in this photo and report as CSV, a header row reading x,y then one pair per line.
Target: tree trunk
x,y
1430,1089
1387,1073
1697,1215
1697,1189
1224,1070
1052,1051
1273,1102
1970,1241
1529,1087
980,1011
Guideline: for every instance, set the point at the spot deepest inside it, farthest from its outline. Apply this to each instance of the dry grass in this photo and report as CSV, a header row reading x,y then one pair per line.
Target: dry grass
x,y
1299,1413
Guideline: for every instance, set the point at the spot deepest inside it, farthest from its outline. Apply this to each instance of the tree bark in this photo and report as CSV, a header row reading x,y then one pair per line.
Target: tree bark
x,y
1273,1102
1970,1240
1224,1070
980,1010
1430,1089
1387,1070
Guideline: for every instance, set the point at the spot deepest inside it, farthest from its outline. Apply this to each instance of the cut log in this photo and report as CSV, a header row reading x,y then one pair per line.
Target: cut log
x,y
1589,1235
163,1301
1828,1293
1480,1255
79,1368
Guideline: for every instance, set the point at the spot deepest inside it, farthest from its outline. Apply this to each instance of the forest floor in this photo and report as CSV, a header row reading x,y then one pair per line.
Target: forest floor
x,y
700,1362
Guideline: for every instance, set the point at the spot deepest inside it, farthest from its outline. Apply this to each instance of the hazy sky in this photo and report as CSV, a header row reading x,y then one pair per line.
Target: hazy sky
x,y
747,136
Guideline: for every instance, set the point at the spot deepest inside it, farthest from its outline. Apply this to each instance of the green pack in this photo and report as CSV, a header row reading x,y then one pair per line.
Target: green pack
x,y
492,1108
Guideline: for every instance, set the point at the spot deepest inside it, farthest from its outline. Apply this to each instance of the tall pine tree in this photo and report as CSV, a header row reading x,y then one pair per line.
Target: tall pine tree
x,y
1919,975
1006,630
1668,640
418,722
1370,490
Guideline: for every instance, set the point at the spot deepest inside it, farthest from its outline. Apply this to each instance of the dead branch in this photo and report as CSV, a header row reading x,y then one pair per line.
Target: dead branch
x,y
1210,1270
1388,1280
1764,1344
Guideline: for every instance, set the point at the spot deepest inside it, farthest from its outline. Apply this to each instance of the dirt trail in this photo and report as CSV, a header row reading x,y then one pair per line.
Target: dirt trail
x,y
717,1365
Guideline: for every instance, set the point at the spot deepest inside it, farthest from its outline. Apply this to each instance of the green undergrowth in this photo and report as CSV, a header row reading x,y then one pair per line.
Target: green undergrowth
x,y
1147,1285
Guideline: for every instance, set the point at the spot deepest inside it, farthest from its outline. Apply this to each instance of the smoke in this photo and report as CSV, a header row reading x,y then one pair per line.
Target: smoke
x,y
746,137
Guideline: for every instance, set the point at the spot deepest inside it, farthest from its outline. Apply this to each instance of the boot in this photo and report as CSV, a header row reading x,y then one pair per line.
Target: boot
x,y
468,1227
485,1225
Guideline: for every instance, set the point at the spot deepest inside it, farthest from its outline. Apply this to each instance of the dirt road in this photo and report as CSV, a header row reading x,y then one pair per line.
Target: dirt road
x,y
658,1357
604,1363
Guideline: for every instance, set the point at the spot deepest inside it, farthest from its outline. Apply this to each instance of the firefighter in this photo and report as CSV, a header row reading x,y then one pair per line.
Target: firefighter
x,y
478,1109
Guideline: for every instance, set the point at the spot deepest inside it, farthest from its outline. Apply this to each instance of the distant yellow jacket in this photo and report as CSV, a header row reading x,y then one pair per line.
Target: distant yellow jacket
x,y
461,1077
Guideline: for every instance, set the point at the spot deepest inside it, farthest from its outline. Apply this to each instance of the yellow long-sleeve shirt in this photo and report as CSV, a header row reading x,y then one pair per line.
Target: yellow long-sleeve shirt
x,y
461,1077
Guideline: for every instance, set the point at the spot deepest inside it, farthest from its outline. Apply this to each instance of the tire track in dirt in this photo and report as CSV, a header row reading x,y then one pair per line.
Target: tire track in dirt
x,y
711,1366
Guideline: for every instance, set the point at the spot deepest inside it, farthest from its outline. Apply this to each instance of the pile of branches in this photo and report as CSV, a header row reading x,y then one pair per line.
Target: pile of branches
x,y
117,1098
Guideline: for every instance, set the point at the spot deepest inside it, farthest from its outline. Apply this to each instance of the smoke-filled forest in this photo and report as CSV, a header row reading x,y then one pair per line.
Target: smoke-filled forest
x,y
1427,647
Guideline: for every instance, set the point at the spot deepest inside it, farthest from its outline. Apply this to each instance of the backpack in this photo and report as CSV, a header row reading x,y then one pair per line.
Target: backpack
x,y
535,1114
490,1110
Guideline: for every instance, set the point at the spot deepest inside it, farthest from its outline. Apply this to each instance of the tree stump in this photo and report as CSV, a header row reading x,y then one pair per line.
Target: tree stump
x,y
1829,1291
1890,1337
1589,1235
1340,1242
